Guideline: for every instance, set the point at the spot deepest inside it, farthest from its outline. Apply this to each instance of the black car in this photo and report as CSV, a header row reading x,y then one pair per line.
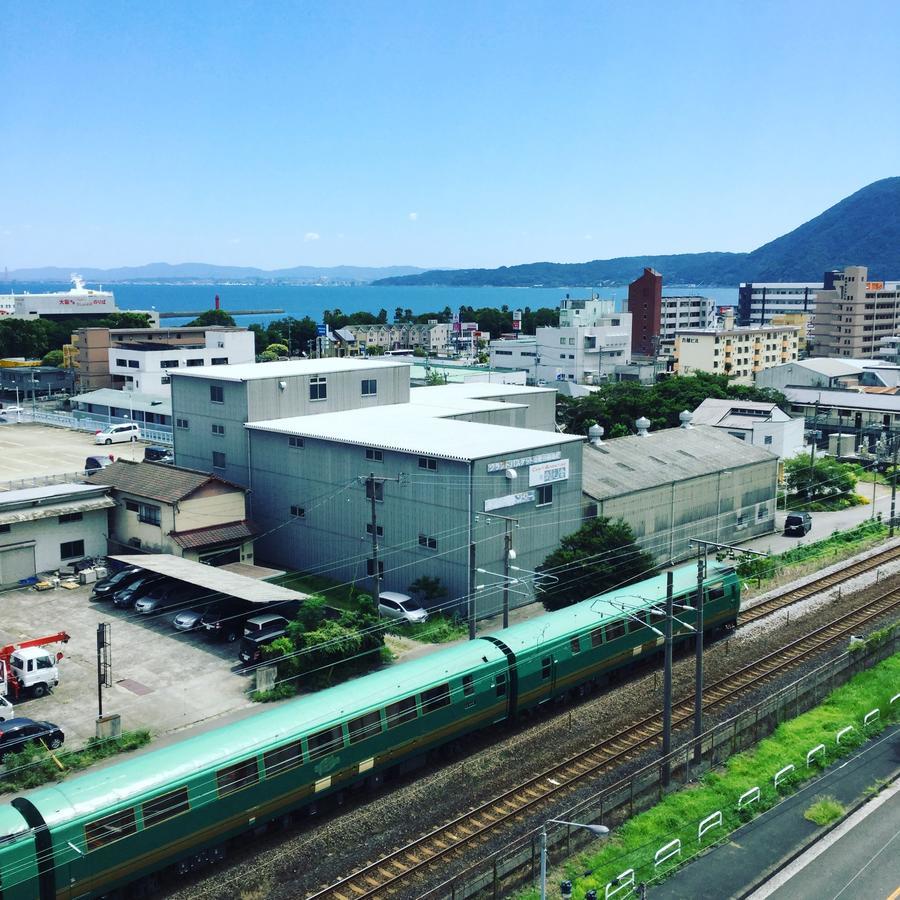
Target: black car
x,y
159,454
16,734
226,618
259,631
95,463
103,590
798,523
127,596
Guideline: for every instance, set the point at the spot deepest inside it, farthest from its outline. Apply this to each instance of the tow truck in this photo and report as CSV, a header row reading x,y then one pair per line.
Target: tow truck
x,y
26,668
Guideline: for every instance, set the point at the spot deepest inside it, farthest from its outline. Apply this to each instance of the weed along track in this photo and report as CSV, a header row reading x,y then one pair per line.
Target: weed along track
x,y
396,873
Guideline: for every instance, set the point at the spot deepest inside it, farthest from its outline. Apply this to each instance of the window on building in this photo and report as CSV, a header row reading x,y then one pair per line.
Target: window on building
x,y
182,424
218,429
122,362
318,388
544,495
219,361
428,541
216,393
132,506
767,439
168,364
370,567
70,517
295,442
218,459
428,462
379,530
195,362
298,511
376,489
165,380
374,455
5,529
71,549
149,514
369,387
236,777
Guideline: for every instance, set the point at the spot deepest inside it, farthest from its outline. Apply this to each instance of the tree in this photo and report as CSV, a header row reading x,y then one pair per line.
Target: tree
x,y
53,358
825,479
278,349
428,589
601,555
212,317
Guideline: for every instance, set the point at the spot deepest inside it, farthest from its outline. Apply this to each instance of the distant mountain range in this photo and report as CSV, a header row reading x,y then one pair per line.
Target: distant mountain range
x,y
863,229
209,272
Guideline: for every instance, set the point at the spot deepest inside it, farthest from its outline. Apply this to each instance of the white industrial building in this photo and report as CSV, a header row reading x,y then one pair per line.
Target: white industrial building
x,y
763,424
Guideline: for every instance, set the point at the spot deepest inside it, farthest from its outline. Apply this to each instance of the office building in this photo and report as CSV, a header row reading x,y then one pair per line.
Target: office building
x,y
760,302
645,306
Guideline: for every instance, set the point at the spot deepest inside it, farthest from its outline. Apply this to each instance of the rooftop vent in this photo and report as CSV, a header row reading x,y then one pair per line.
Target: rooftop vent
x,y
595,435
643,426
686,418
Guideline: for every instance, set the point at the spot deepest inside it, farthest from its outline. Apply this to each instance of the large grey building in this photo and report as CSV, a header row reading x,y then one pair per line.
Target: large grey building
x,y
437,480
682,483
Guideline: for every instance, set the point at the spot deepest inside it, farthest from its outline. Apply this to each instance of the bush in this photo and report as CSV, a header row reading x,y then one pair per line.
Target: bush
x,y
824,811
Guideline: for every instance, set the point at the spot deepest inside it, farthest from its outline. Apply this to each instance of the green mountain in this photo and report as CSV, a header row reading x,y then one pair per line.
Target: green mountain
x,y
863,229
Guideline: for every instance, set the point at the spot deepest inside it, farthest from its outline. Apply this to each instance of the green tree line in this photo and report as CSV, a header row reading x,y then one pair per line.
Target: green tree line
x,y
35,338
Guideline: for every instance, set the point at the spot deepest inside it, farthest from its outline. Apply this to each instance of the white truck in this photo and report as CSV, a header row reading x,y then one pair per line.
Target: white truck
x,y
28,668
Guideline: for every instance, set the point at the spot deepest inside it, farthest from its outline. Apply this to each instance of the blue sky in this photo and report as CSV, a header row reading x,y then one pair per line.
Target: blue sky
x,y
454,134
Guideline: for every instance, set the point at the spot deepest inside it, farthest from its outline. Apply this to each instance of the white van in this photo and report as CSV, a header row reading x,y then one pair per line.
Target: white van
x,y
118,434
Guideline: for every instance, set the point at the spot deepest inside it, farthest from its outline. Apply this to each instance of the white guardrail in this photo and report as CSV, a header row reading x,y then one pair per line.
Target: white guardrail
x,y
66,420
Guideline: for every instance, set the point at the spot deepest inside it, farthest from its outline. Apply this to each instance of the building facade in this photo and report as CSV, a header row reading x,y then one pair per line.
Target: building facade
x,y
760,302
645,306
433,337
679,313
762,424
111,407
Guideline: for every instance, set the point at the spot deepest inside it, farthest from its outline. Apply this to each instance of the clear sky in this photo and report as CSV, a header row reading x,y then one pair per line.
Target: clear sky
x,y
437,134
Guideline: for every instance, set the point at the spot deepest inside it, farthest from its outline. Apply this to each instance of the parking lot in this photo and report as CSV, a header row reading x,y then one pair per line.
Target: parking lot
x,y
161,679
27,450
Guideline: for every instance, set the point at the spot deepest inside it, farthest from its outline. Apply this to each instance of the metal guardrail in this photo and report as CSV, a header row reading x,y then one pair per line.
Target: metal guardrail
x,y
66,420
18,484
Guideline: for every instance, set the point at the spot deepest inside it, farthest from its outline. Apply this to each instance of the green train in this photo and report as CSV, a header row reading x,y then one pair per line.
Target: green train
x,y
178,806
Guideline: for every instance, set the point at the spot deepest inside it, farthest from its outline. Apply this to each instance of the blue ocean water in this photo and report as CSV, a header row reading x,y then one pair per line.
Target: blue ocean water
x,y
312,300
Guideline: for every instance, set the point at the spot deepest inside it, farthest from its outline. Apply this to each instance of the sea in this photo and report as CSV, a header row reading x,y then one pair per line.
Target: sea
x,y
313,300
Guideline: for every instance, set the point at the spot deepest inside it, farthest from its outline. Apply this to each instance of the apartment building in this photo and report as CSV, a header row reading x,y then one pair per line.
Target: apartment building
x,y
645,306
855,315
433,337
760,302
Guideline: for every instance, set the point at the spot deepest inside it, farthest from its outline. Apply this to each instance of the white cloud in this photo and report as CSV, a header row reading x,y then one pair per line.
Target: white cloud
x,y
413,217
311,236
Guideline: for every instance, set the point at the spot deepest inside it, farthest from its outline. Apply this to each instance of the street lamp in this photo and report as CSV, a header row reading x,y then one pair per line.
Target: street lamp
x,y
598,830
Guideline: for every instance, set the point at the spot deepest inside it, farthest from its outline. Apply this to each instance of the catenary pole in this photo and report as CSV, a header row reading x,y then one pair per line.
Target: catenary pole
x,y
667,681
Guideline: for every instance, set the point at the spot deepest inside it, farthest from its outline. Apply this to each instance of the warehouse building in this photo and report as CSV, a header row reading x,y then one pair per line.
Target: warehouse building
x,y
433,479
682,483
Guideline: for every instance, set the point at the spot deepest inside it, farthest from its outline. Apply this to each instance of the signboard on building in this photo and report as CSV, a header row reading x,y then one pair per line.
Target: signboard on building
x,y
509,500
517,320
505,464
548,472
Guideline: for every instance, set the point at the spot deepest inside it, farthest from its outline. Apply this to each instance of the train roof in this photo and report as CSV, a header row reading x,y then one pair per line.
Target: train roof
x,y
581,617
166,767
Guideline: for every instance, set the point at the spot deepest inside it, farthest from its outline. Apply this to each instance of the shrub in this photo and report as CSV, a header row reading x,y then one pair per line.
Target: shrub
x,y
824,811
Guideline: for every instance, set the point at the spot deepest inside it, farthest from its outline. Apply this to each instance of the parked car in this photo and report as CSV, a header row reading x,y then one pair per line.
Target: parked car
x,y
104,590
167,594
127,596
118,434
16,734
798,523
189,619
159,454
225,619
259,631
7,710
402,607
14,412
96,463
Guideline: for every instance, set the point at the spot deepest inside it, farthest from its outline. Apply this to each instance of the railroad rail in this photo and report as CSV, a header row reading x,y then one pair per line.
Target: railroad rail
x,y
788,598
391,874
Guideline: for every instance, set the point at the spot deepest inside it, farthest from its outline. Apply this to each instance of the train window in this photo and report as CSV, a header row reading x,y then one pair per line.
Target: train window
x,y
283,758
576,645
435,698
110,828
236,777
364,727
402,711
715,592
596,637
637,622
165,807
546,666
468,685
322,743
501,684
615,630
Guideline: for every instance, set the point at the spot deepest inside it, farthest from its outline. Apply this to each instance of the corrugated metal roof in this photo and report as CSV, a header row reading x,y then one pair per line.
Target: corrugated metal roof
x,y
285,369
844,399
832,368
155,480
475,390
628,464
47,492
212,578
413,428
127,400
213,535
713,410
33,513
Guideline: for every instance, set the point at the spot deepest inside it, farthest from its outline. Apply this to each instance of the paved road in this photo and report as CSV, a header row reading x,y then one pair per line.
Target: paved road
x,y
860,858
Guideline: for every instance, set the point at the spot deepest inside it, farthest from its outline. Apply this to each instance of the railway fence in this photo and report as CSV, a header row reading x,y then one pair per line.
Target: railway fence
x,y
518,864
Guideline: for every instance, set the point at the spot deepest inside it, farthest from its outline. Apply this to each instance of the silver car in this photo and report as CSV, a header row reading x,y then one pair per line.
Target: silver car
x,y
188,619
402,607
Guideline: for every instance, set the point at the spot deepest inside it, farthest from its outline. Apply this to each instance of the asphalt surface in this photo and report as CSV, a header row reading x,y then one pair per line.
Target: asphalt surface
x,y
748,864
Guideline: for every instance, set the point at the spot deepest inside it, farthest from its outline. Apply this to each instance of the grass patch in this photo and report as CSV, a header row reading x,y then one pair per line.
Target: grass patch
x,y
279,692
439,629
824,811
770,571
34,766
336,594
634,843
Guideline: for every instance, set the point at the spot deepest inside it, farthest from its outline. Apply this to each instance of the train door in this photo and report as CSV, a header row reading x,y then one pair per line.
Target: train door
x,y
549,669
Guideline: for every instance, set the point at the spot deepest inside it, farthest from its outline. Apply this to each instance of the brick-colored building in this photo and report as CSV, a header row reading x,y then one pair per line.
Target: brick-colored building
x,y
645,306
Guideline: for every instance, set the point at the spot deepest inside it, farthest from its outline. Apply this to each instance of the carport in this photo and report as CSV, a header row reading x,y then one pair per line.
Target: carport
x,y
210,578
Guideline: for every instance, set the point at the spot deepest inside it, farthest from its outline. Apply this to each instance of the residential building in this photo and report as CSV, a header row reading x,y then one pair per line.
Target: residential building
x,y
170,509
679,313
515,354
433,337
763,424
43,528
645,306
682,483
760,302
212,403
435,474
853,317
741,353
111,407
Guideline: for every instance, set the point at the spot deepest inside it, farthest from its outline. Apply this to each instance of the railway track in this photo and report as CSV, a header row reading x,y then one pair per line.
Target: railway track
x,y
390,875
788,598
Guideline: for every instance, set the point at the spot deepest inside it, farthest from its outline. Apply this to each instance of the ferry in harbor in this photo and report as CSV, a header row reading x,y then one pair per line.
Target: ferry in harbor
x,y
80,301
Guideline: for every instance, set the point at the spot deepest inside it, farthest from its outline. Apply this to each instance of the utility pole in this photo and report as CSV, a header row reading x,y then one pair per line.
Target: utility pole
x,y
372,491
104,664
893,481
471,609
667,682
507,550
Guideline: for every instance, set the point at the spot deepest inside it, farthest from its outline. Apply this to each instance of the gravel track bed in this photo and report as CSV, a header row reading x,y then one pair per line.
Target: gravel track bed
x,y
317,852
